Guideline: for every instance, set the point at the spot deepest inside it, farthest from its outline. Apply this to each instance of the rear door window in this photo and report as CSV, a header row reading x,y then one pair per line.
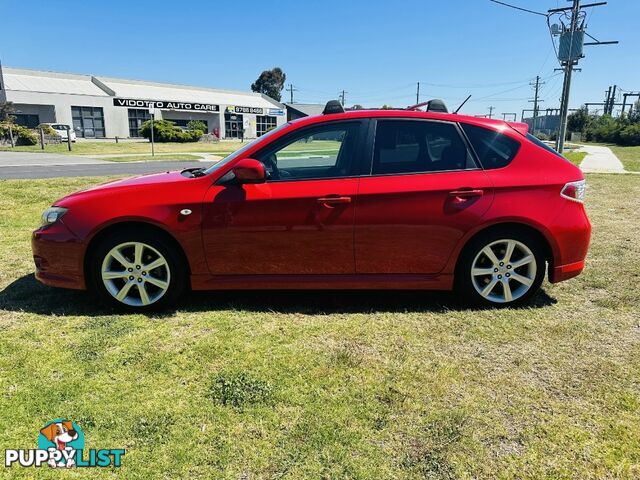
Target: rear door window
x,y
411,146
494,150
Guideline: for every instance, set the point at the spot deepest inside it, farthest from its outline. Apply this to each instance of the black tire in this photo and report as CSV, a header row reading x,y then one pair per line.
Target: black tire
x,y
466,283
175,270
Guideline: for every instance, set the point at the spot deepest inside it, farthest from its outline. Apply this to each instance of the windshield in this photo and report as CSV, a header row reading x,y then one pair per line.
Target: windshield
x,y
241,151
540,143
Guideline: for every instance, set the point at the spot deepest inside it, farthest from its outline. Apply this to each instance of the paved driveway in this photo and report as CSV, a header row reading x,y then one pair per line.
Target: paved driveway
x,y
25,159
600,160
14,165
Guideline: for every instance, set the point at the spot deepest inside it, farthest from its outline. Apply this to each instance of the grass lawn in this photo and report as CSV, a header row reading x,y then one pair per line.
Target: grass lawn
x,y
111,147
332,384
149,158
575,157
629,156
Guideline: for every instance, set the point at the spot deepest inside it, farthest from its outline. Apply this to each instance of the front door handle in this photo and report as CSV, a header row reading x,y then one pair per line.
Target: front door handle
x,y
467,193
330,201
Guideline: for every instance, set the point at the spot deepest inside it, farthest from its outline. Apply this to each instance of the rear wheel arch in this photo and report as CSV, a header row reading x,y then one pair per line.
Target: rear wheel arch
x,y
506,228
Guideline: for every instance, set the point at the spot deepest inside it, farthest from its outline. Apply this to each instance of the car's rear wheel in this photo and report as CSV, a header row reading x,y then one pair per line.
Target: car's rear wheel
x,y
137,271
501,269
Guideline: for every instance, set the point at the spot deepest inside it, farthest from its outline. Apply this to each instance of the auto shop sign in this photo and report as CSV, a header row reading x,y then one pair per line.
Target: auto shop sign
x,y
165,105
241,109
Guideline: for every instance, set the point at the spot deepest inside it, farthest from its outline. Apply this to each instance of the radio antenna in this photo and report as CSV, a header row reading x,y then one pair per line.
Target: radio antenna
x,y
465,101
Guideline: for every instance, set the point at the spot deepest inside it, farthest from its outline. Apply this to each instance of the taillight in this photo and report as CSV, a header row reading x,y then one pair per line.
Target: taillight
x,y
574,191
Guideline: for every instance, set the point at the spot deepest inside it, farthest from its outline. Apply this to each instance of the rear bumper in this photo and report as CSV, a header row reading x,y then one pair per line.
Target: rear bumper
x,y
58,257
565,272
573,235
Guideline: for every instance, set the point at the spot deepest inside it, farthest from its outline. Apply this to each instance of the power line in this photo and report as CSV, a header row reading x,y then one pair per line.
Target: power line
x,y
519,8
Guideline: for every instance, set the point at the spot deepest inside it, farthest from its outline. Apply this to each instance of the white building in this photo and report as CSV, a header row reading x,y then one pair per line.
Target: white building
x,y
100,107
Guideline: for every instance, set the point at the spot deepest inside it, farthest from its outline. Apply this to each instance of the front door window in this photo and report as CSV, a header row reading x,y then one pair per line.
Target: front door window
x,y
321,152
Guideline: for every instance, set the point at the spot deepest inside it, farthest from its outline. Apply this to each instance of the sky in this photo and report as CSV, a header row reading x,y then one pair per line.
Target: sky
x,y
375,50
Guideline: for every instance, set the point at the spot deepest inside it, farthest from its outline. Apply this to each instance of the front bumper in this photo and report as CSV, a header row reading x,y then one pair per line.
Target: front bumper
x,y
58,255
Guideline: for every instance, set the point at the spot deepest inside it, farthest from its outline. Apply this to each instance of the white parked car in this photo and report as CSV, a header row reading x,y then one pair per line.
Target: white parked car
x,y
63,130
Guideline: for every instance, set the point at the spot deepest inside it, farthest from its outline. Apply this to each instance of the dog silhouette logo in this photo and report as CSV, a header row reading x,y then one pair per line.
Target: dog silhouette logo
x,y
64,436
61,445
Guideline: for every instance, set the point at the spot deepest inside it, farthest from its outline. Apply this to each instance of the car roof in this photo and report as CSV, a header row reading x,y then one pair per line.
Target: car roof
x,y
492,123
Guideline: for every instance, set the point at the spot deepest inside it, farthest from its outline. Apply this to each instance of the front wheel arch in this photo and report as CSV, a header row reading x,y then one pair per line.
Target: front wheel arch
x,y
128,227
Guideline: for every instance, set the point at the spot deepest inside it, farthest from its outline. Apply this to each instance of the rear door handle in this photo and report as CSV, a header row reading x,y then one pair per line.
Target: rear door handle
x,y
329,201
466,193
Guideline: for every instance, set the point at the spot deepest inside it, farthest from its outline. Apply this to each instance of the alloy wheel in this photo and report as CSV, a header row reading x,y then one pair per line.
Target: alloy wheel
x,y
135,274
503,271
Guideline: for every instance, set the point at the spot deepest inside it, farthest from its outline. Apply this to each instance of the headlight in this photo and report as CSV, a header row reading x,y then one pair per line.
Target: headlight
x,y
52,215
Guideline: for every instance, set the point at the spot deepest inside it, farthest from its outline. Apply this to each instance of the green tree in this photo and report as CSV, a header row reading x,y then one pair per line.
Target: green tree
x,y
579,120
6,112
634,115
270,83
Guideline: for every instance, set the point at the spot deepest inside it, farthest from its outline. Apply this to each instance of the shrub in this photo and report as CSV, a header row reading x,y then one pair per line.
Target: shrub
x,y
47,129
541,136
188,135
197,125
630,135
238,389
604,129
167,131
25,136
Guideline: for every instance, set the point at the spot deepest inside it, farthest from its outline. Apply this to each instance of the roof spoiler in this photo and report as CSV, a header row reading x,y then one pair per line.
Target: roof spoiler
x,y
520,127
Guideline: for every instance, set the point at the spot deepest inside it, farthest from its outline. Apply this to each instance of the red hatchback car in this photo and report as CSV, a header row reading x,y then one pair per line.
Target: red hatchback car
x,y
377,199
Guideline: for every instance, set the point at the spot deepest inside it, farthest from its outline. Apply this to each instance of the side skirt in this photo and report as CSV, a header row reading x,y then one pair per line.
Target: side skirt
x,y
322,282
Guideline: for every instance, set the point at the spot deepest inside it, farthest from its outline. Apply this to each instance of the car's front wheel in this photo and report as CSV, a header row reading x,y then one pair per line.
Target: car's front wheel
x,y
501,269
137,270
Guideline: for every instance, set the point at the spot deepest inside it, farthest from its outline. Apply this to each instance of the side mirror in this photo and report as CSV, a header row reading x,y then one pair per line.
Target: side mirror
x,y
249,170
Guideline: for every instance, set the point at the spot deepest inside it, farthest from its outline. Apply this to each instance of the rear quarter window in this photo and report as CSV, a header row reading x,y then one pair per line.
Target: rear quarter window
x,y
494,149
540,143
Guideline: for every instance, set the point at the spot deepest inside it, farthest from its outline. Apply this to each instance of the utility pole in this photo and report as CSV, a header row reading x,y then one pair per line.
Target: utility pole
x,y
491,112
607,100
418,94
568,70
536,88
571,33
624,101
291,89
613,99
570,53
342,97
